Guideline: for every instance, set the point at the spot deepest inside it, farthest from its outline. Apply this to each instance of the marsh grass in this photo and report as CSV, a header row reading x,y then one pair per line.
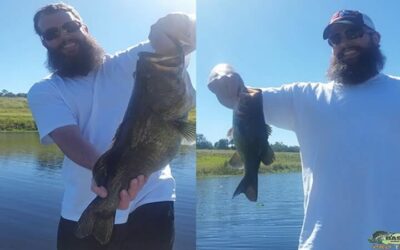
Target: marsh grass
x,y
214,162
15,115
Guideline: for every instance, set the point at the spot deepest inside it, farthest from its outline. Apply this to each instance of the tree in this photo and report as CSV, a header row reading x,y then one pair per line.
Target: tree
x,y
222,144
202,143
280,147
6,93
3,92
9,94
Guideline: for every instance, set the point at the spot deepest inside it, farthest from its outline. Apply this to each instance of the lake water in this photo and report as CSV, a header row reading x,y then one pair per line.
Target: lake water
x,y
31,190
273,222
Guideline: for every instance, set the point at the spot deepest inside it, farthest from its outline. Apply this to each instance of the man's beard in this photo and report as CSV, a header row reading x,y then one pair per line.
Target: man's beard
x,y
370,62
89,56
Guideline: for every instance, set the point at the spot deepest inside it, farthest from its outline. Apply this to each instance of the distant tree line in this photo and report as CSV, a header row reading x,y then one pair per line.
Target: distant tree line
x,y
280,147
203,143
5,93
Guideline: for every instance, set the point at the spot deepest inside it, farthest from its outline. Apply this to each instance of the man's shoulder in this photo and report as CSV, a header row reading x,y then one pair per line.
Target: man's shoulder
x,y
46,84
390,81
394,78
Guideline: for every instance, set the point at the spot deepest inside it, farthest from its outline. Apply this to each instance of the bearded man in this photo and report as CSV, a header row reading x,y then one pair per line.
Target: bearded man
x,y
80,106
349,135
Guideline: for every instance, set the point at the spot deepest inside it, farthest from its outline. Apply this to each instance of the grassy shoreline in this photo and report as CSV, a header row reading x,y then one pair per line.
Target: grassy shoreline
x,y
15,115
214,163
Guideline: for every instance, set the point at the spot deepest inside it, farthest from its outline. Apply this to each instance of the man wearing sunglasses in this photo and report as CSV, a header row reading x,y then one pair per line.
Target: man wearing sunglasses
x,y
349,135
80,106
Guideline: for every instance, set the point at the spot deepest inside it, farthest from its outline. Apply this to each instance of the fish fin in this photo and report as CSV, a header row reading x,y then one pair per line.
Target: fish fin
x,y
87,220
269,129
236,161
103,228
100,170
230,134
187,129
93,222
249,186
268,156
119,132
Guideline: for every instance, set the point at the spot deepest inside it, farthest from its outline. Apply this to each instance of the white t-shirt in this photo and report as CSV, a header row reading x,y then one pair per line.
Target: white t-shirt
x,y
97,104
349,138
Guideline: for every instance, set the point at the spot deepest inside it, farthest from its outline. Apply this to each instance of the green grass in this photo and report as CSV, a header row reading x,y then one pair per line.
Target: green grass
x,y
214,162
15,115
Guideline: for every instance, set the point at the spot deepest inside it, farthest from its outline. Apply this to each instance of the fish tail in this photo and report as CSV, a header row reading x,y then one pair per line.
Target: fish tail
x,y
104,227
87,220
97,223
249,186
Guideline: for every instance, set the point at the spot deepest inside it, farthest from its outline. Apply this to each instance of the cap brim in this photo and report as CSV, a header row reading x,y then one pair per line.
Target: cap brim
x,y
327,30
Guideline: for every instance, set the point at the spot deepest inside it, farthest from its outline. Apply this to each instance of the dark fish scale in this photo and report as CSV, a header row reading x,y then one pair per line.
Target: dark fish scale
x,y
250,135
147,139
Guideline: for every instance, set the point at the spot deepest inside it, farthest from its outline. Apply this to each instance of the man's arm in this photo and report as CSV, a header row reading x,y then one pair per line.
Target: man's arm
x,y
278,102
74,146
82,152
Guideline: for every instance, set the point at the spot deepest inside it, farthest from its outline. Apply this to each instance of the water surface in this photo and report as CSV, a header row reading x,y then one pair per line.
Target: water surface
x,y
31,191
273,222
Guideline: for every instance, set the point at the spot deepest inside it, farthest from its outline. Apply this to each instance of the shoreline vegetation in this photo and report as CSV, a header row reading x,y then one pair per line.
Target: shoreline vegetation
x,y
214,163
15,115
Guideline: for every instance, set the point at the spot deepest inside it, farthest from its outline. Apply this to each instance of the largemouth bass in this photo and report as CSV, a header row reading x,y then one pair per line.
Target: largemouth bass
x,y
146,141
250,135
249,131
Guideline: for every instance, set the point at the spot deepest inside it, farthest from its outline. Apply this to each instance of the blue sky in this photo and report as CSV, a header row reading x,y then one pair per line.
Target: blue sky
x,y
271,42
116,25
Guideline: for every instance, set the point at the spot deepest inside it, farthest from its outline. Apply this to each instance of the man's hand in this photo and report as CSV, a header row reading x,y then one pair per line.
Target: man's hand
x,y
226,84
82,152
125,196
180,26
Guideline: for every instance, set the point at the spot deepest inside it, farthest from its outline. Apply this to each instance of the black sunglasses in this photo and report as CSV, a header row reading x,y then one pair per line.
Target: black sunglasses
x,y
55,32
350,34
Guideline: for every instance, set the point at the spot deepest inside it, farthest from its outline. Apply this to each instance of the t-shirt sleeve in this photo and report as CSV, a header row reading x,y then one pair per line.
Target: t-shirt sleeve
x,y
125,60
49,110
278,106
